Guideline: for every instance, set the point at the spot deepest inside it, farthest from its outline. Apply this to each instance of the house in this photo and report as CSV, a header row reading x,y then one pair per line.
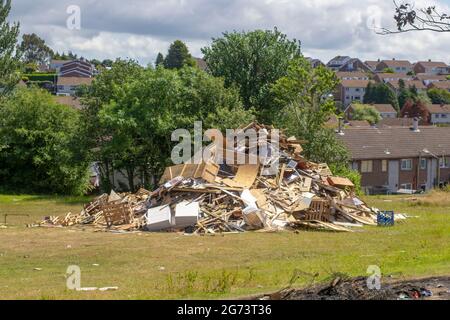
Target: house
x,y
394,158
431,67
315,63
201,64
73,102
385,110
77,68
336,63
388,77
57,64
439,114
372,65
353,65
398,66
445,85
427,79
395,86
67,86
396,122
357,75
352,91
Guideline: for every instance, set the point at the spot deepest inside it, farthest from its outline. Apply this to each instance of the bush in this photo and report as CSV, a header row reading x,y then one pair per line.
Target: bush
x,y
345,172
41,145
41,77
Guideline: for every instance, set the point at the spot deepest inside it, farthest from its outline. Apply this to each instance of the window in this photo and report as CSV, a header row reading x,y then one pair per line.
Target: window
x,y
443,116
384,166
423,164
444,162
406,164
406,186
366,166
357,89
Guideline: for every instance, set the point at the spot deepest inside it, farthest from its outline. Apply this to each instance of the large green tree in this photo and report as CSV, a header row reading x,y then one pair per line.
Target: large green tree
x,y
9,53
35,50
439,96
42,145
251,61
178,56
305,103
139,115
365,112
380,93
159,60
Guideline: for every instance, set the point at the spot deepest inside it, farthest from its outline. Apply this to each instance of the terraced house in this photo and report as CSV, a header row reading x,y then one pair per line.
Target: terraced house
x,y
399,158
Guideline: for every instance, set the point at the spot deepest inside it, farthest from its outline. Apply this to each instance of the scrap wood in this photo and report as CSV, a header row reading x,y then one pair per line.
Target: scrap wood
x,y
319,225
283,190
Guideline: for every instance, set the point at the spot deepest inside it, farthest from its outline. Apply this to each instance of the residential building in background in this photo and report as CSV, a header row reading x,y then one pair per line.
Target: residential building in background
x,y
395,86
356,75
385,110
67,86
394,158
398,66
445,85
352,91
77,68
439,114
431,67
388,77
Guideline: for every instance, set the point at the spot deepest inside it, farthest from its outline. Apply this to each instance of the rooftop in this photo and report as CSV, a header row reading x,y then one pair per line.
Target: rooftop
x,y
395,142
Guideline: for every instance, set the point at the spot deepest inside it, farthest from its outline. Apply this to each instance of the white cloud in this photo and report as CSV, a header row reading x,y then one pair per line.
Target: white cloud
x,y
140,29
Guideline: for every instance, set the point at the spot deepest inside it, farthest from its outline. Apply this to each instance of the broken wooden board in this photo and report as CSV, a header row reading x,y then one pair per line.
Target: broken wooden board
x,y
245,176
340,182
205,171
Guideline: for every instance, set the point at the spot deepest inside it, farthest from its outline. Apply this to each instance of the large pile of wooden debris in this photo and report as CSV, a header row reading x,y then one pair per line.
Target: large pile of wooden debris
x,y
284,191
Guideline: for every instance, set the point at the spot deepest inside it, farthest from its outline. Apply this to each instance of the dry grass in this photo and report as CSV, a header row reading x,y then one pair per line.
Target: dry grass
x,y
158,266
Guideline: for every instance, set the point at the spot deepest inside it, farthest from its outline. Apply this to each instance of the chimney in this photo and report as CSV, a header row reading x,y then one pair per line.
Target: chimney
x,y
340,131
415,127
429,60
393,59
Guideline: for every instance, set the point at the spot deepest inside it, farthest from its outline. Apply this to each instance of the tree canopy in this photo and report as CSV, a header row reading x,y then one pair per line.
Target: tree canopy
x,y
35,50
9,53
380,93
439,96
305,103
42,145
366,112
252,62
134,119
178,56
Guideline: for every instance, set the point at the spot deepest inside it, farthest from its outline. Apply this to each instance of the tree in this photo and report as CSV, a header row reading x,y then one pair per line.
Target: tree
x,y
35,50
251,61
178,56
423,19
439,96
304,104
380,93
42,145
159,60
107,63
145,106
404,94
9,53
388,70
366,112
106,87
416,109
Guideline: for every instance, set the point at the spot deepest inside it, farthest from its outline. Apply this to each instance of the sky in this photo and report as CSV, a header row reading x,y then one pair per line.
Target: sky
x,y
139,29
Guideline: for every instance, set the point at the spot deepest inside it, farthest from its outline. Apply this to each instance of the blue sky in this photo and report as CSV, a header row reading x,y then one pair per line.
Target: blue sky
x,y
139,29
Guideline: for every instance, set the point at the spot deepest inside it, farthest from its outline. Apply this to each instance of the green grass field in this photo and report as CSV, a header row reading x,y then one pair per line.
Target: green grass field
x,y
33,262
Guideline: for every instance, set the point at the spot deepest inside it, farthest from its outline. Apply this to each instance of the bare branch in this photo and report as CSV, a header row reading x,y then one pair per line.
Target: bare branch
x,y
410,19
